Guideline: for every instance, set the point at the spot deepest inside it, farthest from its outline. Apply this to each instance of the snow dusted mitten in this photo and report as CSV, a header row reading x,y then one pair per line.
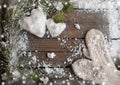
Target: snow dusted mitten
x,y
35,23
101,68
55,29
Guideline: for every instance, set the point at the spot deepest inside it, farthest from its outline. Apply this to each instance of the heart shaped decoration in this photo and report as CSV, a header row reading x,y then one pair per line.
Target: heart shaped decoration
x,y
55,29
35,23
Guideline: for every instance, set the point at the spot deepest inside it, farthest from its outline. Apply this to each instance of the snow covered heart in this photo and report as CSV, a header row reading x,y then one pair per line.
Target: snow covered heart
x,y
36,24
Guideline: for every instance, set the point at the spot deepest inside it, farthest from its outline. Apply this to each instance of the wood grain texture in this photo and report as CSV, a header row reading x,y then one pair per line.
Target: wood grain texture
x,y
39,47
45,45
52,44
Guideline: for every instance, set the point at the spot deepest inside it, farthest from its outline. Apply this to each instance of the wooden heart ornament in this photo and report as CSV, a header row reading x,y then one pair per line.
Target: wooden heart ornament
x,y
35,23
55,29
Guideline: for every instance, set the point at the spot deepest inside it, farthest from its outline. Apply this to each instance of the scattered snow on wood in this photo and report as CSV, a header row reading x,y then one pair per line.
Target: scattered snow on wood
x,y
110,7
55,29
45,80
77,26
34,60
59,72
51,55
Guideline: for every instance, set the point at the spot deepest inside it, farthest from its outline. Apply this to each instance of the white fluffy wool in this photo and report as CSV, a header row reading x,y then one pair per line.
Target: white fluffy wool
x,y
55,29
35,23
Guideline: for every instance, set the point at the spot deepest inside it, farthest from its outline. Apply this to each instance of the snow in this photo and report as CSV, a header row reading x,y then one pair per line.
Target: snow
x,y
48,70
55,71
51,83
51,55
35,23
23,82
0,6
29,54
113,17
118,2
4,6
92,4
63,82
103,83
55,29
58,5
2,36
19,0
16,74
2,83
115,48
18,47
77,26
58,72
45,80
34,60
23,77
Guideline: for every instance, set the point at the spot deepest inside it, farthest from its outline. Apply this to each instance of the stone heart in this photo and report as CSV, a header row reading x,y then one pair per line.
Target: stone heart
x,y
55,29
35,23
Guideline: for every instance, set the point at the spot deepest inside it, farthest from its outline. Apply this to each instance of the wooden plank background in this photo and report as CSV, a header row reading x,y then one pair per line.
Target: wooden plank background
x,y
39,47
86,20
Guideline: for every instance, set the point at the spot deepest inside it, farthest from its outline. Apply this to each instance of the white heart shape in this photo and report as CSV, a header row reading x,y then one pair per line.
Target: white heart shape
x,y
35,23
55,29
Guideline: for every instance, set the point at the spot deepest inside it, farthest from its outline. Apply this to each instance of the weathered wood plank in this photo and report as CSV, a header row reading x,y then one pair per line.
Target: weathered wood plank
x,y
52,44
87,21
39,47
